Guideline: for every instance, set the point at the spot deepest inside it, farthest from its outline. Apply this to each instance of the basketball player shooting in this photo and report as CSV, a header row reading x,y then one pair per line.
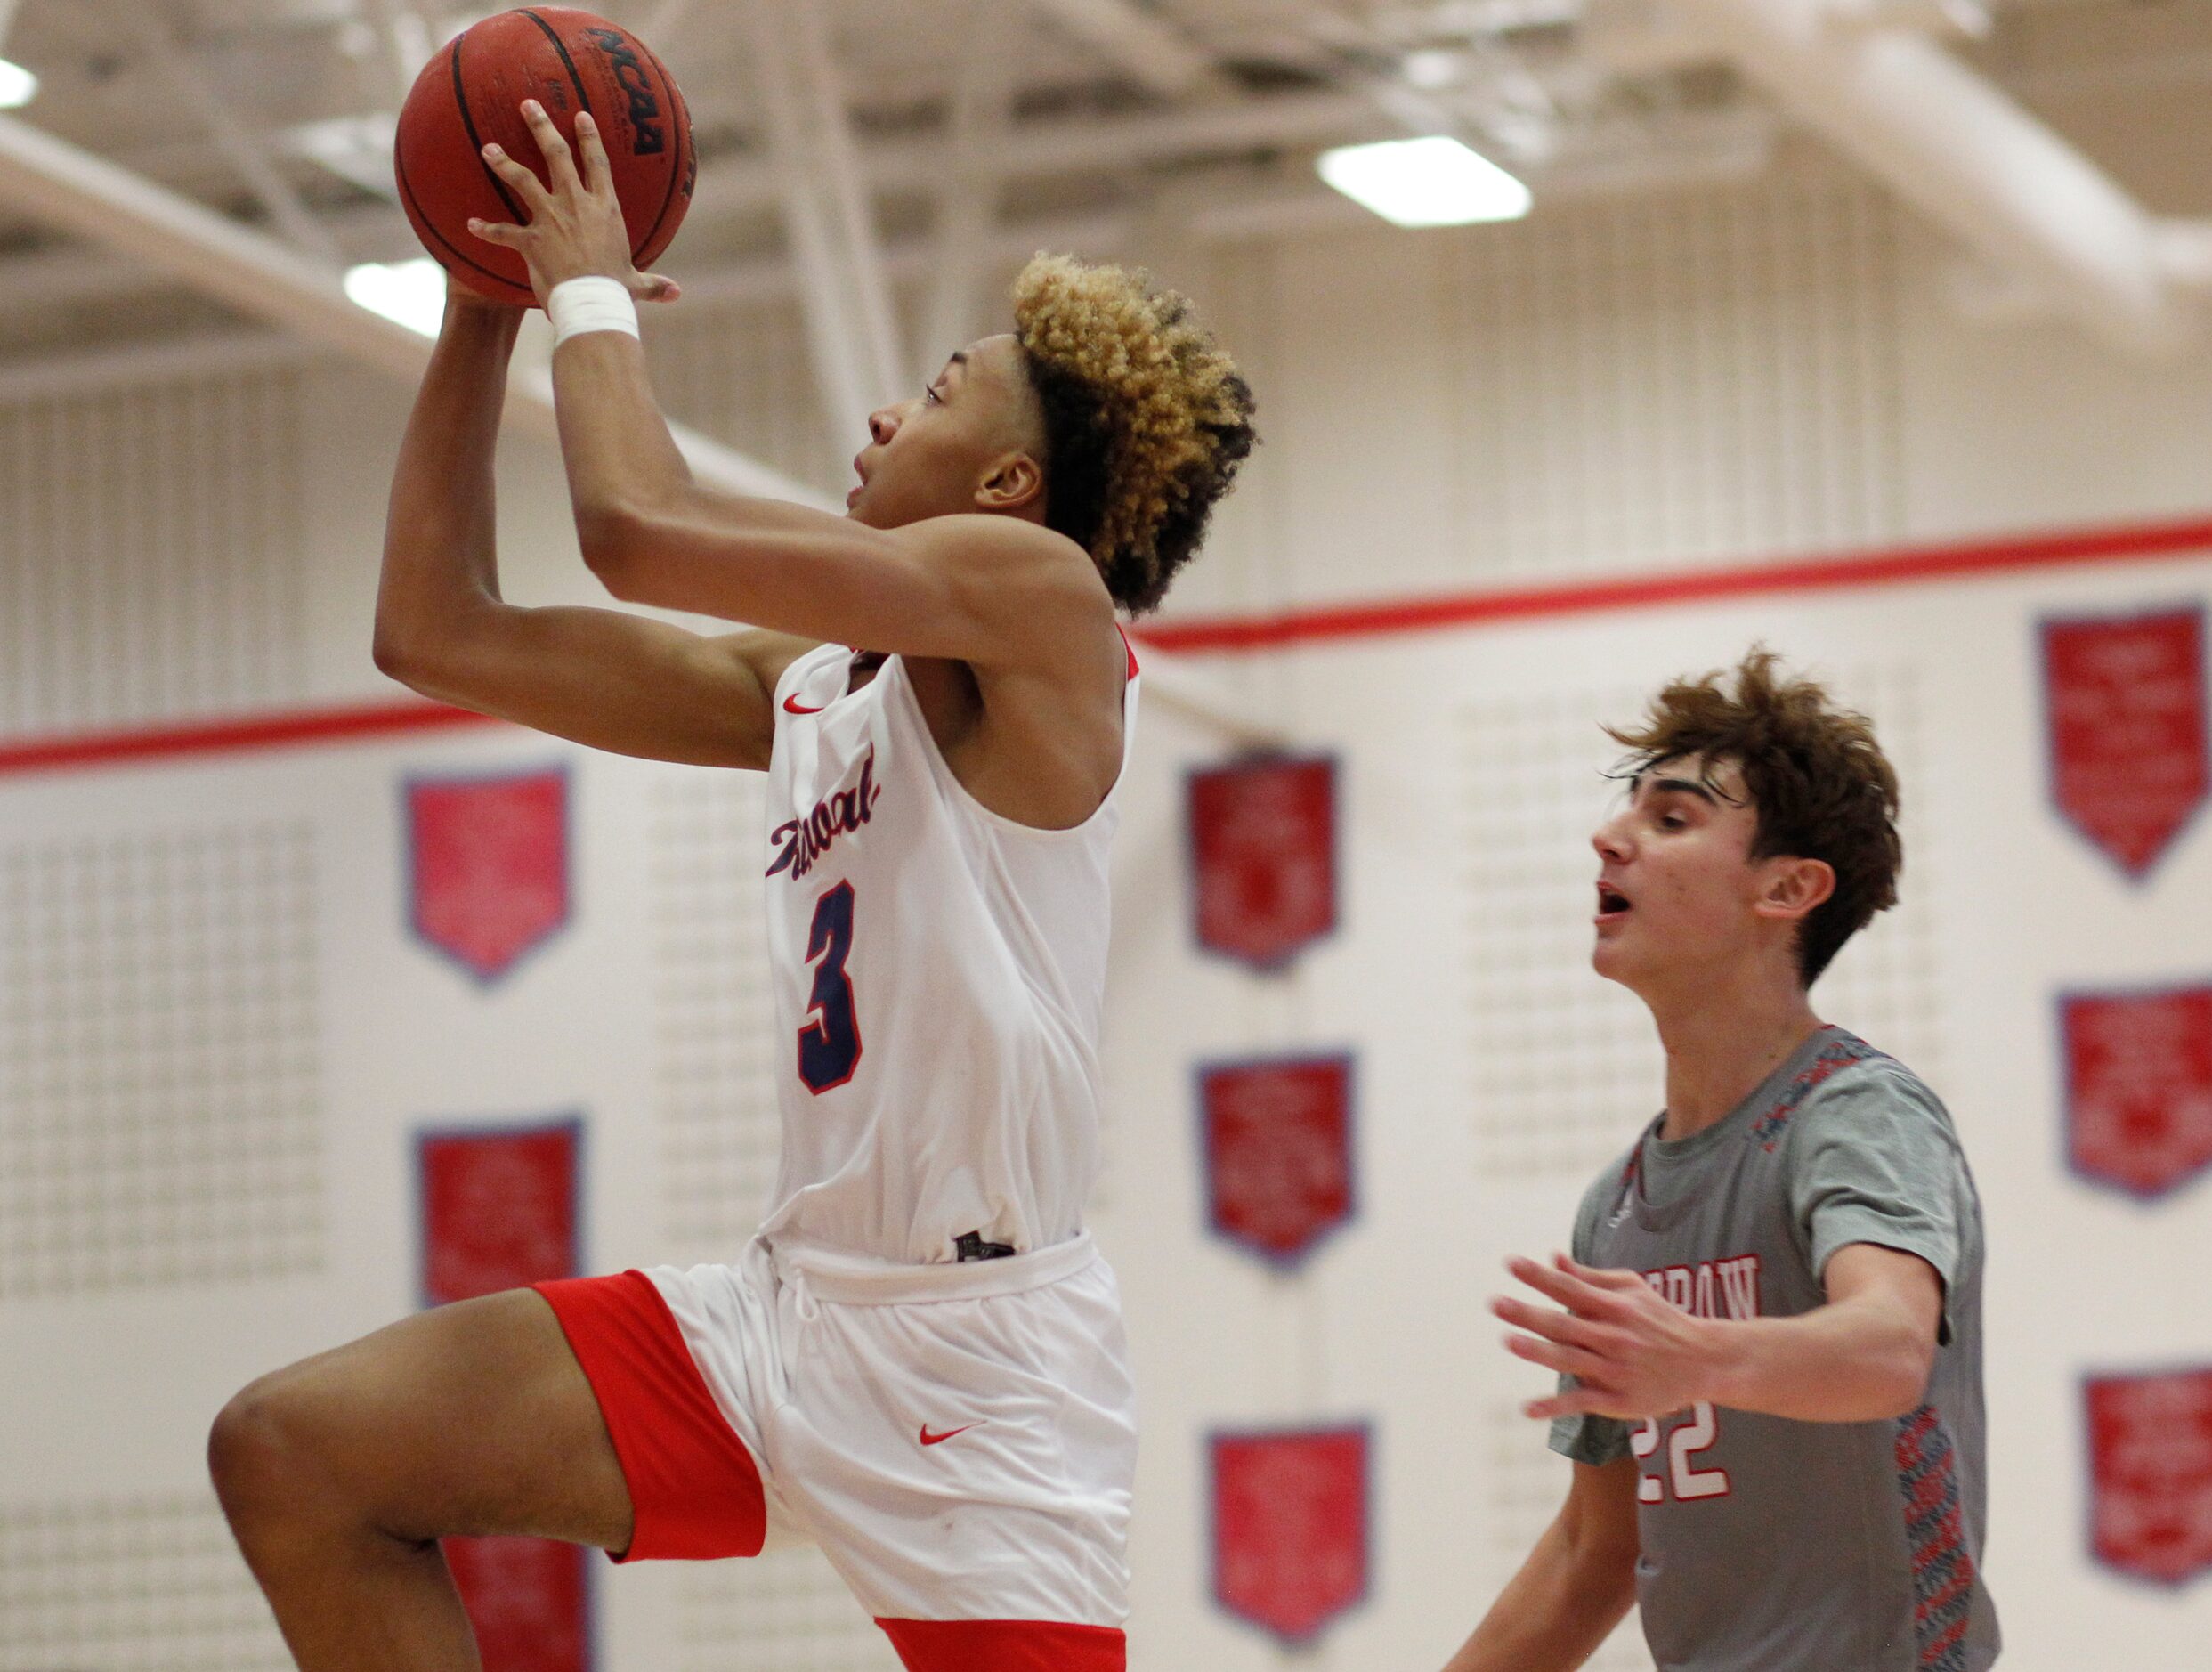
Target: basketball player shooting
x,y
920,1364
1769,1335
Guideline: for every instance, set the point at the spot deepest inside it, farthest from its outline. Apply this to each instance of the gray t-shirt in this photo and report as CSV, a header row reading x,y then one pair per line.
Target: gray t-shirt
x,y
1773,1546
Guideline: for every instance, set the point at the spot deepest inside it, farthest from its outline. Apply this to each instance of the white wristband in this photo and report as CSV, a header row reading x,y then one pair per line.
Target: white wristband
x,y
579,306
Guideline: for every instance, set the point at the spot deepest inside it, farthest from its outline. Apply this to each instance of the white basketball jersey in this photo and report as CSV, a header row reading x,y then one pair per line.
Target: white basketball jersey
x,y
939,975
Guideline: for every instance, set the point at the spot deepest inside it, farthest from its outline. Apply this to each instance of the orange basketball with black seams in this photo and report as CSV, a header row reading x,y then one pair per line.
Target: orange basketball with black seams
x,y
471,95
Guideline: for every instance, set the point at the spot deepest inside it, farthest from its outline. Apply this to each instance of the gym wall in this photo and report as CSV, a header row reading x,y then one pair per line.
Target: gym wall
x,y
221,1036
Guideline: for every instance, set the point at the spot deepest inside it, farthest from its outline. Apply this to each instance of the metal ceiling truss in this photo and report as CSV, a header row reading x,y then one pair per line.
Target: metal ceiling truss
x,y
1146,48
247,153
829,210
979,122
406,40
263,277
1572,94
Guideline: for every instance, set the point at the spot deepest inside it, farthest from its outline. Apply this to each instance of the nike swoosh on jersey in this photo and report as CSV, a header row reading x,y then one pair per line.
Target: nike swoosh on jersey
x,y
792,705
929,1439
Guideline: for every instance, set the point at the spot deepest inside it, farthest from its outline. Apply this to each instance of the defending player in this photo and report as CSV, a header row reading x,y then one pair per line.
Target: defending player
x,y
1769,1333
920,1364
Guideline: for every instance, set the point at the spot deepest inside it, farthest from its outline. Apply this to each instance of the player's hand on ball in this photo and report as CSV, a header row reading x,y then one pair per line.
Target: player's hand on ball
x,y
1635,1353
576,229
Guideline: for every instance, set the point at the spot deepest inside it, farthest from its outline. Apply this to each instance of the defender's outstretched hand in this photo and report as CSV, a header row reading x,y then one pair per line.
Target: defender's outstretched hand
x,y
1635,1353
576,229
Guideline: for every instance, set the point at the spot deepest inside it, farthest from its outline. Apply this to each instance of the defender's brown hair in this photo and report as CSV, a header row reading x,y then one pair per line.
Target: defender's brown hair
x,y
1817,780
1146,419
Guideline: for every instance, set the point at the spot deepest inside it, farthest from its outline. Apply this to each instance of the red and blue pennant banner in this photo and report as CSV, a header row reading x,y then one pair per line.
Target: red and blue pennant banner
x,y
488,866
1278,1139
500,1208
2151,1473
2123,703
2139,1086
529,1600
1291,1528
1263,857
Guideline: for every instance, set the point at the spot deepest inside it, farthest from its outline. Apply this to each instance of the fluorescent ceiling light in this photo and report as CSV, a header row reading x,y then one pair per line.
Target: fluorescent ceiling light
x,y
1433,182
18,86
411,292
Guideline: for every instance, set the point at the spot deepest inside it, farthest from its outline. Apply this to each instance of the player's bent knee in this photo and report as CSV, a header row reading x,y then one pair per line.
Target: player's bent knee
x,y
254,1449
1006,1646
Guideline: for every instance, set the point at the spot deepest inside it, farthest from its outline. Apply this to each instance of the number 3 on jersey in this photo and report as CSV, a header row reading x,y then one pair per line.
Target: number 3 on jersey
x,y
1702,1429
829,1046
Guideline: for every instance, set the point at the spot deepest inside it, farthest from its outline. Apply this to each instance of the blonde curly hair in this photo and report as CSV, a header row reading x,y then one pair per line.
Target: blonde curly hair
x,y
1145,417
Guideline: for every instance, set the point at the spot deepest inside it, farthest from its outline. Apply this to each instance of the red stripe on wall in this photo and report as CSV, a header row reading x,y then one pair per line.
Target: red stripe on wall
x,y
1318,624
1324,623
221,737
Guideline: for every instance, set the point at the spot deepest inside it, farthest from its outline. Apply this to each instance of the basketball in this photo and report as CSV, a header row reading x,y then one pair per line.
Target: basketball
x,y
471,94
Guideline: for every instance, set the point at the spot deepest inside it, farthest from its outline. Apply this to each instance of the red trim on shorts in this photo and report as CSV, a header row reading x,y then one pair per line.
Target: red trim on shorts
x,y
1006,1646
695,1491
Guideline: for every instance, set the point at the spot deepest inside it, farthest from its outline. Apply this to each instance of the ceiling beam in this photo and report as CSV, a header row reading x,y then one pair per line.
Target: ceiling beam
x,y
660,28
247,153
983,99
747,182
1151,52
76,191
406,40
829,211
1684,149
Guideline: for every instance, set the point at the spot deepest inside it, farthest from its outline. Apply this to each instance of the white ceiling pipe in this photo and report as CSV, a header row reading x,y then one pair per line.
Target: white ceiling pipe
x,y
1956,148
2185,253
71,189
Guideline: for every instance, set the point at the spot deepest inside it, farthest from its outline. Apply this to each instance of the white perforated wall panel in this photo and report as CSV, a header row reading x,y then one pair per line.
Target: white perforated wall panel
x,y
1888,985
1653,380
786,1612
1563,1065
1527,1483
714,1026
148,1584
161,1105
151,554
1675,379
740,372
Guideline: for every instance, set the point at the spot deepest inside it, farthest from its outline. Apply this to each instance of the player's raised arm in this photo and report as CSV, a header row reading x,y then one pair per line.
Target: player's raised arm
x,y
952,548
991,588
599,677
1576,1587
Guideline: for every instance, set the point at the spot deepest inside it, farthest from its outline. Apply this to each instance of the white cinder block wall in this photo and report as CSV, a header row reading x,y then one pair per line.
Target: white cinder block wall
x,y
217,1037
